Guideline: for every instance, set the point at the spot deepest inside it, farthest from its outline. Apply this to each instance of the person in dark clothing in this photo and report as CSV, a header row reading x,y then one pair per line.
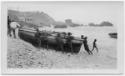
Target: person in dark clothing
x,y
94,45
44,40
69,42
8,25
86,46
37,35
60,42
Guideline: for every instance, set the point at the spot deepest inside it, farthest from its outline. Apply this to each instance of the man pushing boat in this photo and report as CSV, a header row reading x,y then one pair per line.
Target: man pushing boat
x,y
85,43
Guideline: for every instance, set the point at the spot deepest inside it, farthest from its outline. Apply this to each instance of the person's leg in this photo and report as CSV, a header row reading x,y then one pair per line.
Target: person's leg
x,y
8,29
47,44
90,52
97,49
68,47
43,43
71,47
93,48
10,32
39,42
57,46
62,47
86,49
17,32
14,33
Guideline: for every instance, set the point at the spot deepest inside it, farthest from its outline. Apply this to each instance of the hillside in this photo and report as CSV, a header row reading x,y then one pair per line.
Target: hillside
x,y
104,23
37,18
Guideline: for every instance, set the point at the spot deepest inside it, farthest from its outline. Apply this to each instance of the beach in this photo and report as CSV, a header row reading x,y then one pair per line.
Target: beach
x,y
106,58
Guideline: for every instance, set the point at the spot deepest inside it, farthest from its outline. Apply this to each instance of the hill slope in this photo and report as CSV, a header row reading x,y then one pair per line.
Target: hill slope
x,y
37,18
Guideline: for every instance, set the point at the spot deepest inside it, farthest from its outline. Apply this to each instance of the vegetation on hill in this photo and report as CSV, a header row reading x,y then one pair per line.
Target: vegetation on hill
x,y
104,23
36,18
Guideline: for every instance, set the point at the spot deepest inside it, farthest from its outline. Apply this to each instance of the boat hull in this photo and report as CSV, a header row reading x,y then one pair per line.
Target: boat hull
x,y
29,36
113,35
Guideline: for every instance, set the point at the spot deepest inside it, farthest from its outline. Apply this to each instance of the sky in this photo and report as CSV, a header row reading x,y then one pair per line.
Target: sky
x,y
80,12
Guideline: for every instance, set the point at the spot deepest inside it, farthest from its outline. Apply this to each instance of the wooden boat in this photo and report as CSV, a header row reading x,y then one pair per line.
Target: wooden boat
x,y
29,36
113,35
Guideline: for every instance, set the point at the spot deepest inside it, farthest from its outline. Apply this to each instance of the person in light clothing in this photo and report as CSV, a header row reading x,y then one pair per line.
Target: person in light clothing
x,y
14,29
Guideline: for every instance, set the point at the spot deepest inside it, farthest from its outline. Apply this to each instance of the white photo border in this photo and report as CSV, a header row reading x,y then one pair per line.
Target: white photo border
x,y
5,70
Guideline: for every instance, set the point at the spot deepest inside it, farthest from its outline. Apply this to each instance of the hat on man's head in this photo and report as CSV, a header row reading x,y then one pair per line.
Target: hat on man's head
x,y
69,33
82,36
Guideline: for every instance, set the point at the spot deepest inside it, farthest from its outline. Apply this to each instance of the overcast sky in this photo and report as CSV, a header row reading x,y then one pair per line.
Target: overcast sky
x,y
79,12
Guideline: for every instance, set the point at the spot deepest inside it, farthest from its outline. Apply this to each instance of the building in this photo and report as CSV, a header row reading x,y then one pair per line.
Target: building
x,y
68,21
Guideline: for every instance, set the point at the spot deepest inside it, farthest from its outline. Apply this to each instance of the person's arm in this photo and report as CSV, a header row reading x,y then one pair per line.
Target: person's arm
x,y
18,25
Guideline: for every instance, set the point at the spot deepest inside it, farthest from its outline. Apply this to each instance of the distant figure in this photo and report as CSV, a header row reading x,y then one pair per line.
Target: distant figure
x,y
69,41
86,46
14,28
59,42
94,45
37,35
8,25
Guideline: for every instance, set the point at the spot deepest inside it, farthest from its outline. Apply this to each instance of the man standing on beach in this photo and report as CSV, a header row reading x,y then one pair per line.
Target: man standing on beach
x,y
94,45
37,35
14,28
69,41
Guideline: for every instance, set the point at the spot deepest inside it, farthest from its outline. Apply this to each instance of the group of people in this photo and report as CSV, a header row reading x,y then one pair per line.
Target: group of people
x,y
85,43
59,39
41,38
68,37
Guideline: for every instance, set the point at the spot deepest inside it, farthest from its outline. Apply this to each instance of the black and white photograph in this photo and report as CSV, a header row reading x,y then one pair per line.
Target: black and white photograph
x,y
62,35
